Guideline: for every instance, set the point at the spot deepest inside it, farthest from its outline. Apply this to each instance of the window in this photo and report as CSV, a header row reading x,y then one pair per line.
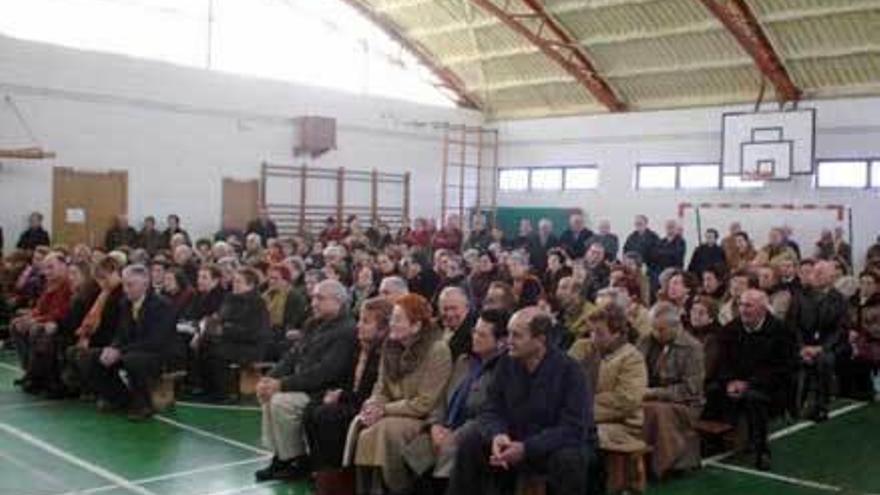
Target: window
x,y
688,176
547,179
513,179
875,174
846,174
656,176
581,178
698,176
737,182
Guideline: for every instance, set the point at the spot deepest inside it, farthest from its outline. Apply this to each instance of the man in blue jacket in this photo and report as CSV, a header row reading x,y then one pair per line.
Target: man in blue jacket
x,y
538,418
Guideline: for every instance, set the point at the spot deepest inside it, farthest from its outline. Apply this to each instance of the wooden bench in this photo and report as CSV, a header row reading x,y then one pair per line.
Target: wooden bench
x,y
249,375
716,436
531,485
335,482
164,392
626,468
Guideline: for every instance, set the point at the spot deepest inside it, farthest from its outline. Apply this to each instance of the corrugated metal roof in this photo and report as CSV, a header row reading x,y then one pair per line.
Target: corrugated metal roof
x,y
652,53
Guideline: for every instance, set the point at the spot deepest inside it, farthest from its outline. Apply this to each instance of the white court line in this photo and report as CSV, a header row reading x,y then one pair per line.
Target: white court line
x,y
25,405
208,434
776,477
169,476
39,473
76,461
11,367
189,428
790,430
222,407
803,425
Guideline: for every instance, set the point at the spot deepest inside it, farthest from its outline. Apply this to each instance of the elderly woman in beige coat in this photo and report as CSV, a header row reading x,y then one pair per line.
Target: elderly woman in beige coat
x,y
415,367
617,370
674,399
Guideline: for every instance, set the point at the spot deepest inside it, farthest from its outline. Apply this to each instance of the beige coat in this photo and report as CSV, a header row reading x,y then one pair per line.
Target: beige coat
x,y
674,401
407,403
576,321
639,318
621,385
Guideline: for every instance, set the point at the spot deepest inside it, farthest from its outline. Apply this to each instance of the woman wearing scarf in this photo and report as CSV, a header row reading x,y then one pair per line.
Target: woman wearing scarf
x,y
472,375
416,364
98,328
176,287
287,308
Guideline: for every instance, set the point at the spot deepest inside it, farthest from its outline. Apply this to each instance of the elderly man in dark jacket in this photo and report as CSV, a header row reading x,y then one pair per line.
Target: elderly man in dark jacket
x,y
574,238
457,320
120,234
538,418
755,368
35,235
642,240
263,225
707,255
820,318
149,237
146,333
238,333
322,360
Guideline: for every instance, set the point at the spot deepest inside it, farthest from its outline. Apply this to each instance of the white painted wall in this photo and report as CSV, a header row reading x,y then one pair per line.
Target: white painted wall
x,y
178,131
616,143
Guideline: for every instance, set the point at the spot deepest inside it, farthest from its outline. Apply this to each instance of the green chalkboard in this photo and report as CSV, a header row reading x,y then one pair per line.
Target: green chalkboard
x,y
507,218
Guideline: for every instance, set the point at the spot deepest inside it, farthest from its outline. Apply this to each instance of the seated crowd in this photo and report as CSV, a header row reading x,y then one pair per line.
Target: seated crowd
x,y
439,361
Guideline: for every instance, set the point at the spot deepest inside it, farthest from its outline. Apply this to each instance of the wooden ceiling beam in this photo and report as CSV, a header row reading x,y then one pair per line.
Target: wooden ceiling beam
x,y
533,22
742,24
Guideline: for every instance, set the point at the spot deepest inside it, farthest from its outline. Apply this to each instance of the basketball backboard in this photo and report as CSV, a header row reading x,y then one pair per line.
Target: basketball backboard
x,y
768,145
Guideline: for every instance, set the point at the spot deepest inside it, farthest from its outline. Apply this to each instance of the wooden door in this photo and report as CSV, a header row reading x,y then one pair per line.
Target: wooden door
x,y
240,201
84,204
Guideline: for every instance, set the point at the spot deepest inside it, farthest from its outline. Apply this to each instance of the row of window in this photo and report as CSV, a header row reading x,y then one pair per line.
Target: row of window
x,y
852,174
548,178
855,174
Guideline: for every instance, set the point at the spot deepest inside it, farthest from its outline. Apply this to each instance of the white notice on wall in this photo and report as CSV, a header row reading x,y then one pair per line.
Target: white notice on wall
x,y
75,215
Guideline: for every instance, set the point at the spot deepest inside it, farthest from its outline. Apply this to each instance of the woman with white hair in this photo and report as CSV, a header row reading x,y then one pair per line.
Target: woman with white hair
x,y
253,248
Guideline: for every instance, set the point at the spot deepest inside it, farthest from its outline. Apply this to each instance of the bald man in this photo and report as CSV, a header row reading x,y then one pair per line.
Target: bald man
x,y
820,315
41,323
756,370
538,418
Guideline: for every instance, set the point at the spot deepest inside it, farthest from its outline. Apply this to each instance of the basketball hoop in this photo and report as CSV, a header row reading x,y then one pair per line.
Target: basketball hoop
x,y
757,176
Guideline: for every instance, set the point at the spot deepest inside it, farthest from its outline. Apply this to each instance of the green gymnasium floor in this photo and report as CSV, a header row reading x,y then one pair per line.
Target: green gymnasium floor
x,y
55,448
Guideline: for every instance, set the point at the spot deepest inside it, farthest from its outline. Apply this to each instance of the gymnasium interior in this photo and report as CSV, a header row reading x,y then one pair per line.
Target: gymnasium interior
x,y
375,189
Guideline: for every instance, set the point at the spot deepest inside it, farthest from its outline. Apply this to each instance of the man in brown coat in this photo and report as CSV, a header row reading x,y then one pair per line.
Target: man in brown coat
x,y
674,398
